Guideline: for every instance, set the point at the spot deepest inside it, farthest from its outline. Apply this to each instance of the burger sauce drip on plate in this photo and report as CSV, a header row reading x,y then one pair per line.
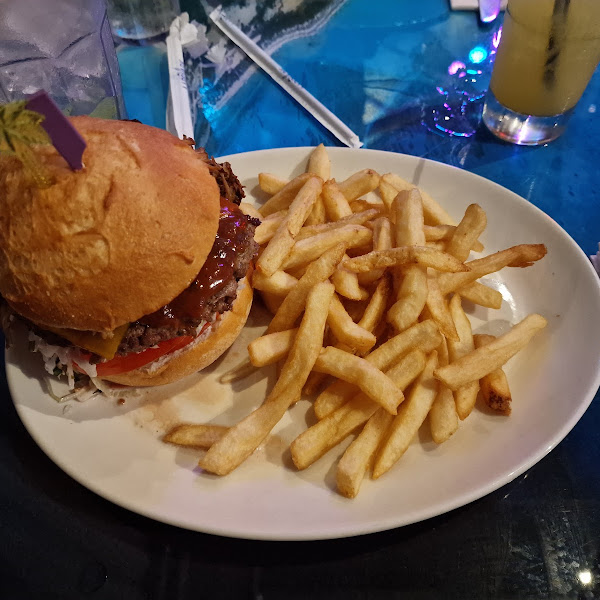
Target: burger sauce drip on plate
x,y
216,272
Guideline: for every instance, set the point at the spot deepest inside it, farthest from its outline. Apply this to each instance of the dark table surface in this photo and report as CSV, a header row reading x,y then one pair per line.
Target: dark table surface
x,y
383,67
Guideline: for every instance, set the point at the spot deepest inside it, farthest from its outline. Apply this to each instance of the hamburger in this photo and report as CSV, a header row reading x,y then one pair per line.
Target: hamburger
x,y
134,270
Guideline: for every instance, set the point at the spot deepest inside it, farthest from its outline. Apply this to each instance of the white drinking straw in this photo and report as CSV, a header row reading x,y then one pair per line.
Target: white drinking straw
x,y
322,114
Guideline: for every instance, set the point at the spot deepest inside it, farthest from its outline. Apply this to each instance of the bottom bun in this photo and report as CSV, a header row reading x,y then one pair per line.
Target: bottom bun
x,y
200,355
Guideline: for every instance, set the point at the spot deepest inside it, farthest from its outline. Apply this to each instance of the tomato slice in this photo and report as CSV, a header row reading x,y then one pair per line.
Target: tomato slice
x,y
135,360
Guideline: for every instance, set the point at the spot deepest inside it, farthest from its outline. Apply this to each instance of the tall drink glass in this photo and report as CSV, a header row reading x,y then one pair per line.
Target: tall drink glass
x,y
64,47
548,52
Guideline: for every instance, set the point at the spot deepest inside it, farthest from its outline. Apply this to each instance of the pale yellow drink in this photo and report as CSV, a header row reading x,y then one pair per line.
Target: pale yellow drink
x,y
545,60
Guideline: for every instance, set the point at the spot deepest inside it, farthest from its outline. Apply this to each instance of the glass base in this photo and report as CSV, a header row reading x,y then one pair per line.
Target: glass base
x,y
525,130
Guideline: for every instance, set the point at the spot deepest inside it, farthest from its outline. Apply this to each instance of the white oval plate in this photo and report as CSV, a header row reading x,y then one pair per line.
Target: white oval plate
x,y
115,450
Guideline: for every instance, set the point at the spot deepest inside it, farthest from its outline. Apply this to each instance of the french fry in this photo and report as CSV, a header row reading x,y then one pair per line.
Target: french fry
x,y
443,418
195,436
309,249
467,232
408,210
346,284
284,197
313,443
319,163
336,204
360,218
432,211
494,387
361,205
346,330
424,336
293,304
282,242
382,240
250,210
359,184
317,215
405,255
411,298
271,301
270,348
387,192
410,417
240,441
280,283
466,395
481,294
523,255
438,308
375,310
268,226
434,233
359,455
361,373
482,361
271,184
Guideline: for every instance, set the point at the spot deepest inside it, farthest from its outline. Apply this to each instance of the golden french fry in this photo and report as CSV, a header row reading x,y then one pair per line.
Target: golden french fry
x,y
240,371
271,301
467,232
434,233
309,249
408,210
319,163
360,218
466,395
382,240
346,330
359,184
481,294
250,210
336,204
387,192
411,298
317,215
313,443
283,199
361,373
432,211
375,310
361,205
268,226
195,436
443,418
523,255
405,255
271,184
280,283
359,455
242,439
346,284
410,417
482,361
293,304
283,240
424,336
438,308
494,387
270,348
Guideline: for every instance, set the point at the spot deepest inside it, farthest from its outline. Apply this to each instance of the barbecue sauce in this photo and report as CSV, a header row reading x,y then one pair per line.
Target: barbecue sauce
x,y
216,272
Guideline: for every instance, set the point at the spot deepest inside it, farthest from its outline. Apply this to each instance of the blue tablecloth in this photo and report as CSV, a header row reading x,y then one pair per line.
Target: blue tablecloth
x,y
382,66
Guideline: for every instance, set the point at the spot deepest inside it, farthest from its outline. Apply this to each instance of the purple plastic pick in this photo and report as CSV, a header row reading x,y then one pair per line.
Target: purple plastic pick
x,y
65,138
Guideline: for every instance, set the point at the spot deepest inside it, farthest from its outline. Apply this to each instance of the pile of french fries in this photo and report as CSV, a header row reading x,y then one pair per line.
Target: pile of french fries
x,y
366,291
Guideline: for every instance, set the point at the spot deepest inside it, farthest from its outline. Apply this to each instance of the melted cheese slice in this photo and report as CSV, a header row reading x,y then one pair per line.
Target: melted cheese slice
x,y
104,345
